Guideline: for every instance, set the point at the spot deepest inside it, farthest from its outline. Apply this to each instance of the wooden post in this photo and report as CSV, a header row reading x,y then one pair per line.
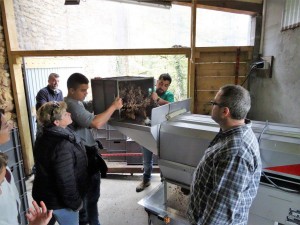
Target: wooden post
x,y
15,66
191,76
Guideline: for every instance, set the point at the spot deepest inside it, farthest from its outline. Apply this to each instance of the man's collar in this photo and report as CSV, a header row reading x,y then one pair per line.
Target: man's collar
x,y
247,123
55,91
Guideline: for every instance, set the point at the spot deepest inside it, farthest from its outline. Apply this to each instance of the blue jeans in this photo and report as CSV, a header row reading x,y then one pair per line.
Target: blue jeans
x,y
89,213
147,163
66,216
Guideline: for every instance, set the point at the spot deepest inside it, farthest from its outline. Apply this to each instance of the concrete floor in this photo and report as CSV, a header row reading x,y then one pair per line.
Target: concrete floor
x,y
118,203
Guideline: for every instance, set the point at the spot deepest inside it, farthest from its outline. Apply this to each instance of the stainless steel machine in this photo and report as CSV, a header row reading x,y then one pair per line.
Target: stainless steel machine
x,y
180,138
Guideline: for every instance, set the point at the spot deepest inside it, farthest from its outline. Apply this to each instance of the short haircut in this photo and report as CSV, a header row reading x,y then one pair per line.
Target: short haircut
x,y
76,79
237,99
165,76
51,111
3,160
53,75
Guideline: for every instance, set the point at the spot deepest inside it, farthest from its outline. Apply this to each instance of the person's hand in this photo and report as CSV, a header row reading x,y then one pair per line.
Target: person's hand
x,y
118,103
154,96
39,215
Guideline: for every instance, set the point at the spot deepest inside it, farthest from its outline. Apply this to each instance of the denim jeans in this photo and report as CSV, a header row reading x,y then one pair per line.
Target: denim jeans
x,y
66,216
89,213
147,163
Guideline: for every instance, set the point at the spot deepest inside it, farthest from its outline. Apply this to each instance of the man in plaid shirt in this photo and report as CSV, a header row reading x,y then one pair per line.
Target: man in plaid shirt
x,y
226,179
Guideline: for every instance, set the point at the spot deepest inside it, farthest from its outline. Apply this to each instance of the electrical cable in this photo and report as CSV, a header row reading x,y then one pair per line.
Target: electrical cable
x,y
263,173
253,66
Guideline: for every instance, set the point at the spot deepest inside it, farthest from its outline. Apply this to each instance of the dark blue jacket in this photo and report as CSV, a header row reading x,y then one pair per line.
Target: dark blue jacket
x,y
61,169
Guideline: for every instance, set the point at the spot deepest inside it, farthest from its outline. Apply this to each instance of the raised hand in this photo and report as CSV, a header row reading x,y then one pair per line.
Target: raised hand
x,y
38,215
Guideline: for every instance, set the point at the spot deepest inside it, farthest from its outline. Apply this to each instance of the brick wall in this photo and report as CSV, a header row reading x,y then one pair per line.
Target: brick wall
x,y
49,24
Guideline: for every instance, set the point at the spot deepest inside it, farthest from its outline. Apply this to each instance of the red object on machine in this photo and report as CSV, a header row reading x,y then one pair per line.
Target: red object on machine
x,y
288,169
120,154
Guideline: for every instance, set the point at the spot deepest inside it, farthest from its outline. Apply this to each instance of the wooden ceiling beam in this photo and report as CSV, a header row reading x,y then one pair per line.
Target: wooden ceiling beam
x,y
242,7
235,5
101,52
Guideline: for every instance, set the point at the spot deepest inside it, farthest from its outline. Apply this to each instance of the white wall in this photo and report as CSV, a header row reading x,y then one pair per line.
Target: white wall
x,y
277,99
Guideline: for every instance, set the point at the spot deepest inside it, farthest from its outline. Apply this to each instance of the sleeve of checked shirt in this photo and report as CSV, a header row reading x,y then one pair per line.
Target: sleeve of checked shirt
x,y
230,179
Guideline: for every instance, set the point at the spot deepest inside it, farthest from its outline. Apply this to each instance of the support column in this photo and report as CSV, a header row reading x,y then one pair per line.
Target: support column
x,y
192,67
16,75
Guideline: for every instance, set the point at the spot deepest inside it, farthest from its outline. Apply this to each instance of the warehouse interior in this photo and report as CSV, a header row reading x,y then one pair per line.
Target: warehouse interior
x,y
45,36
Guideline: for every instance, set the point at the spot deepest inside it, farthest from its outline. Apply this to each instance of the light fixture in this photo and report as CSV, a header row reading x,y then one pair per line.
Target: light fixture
x,y
72,2
154,3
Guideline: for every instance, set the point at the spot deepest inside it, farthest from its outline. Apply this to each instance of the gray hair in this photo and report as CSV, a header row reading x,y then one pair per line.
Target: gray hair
x,y
237,99
50,111
53,75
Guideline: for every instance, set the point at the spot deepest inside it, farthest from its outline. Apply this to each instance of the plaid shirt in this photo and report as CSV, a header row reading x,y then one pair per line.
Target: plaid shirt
x,y
226,179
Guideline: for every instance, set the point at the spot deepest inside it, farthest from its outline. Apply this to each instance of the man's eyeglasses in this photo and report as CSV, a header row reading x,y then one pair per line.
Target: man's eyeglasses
x,y
215,103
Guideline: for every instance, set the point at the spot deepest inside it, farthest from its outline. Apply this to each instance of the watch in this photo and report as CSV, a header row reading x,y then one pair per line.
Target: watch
x,y
157,100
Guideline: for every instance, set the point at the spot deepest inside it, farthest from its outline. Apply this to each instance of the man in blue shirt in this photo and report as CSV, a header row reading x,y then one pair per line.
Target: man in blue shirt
x,y
161,96
49,93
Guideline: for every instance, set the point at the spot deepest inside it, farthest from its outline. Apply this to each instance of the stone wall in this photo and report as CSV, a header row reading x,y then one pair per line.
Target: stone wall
x,y
98,24
49,24
6,97
40,24
277,99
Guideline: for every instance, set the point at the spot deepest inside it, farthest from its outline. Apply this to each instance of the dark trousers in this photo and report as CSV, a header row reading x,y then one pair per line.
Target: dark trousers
x,y
89,213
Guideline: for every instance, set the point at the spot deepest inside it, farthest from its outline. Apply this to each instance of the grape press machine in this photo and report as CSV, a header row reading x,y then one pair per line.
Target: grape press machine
x,y
180,138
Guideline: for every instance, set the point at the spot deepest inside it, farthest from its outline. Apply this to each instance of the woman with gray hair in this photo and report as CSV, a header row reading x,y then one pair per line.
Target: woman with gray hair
x,y
61,164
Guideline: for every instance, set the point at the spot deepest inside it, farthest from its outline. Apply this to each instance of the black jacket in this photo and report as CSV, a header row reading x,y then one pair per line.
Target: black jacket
x,y
61,169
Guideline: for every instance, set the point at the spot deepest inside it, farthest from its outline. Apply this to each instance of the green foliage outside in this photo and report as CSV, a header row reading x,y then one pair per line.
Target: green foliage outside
x,y
153,66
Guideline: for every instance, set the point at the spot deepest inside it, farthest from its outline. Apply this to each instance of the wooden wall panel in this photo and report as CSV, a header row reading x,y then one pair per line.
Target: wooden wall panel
x,y
216,67
214,83
203,107
222,57
203,98
220,69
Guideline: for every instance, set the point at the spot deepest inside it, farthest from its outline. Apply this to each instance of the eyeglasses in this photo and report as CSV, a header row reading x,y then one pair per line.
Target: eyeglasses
x,y
215,103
